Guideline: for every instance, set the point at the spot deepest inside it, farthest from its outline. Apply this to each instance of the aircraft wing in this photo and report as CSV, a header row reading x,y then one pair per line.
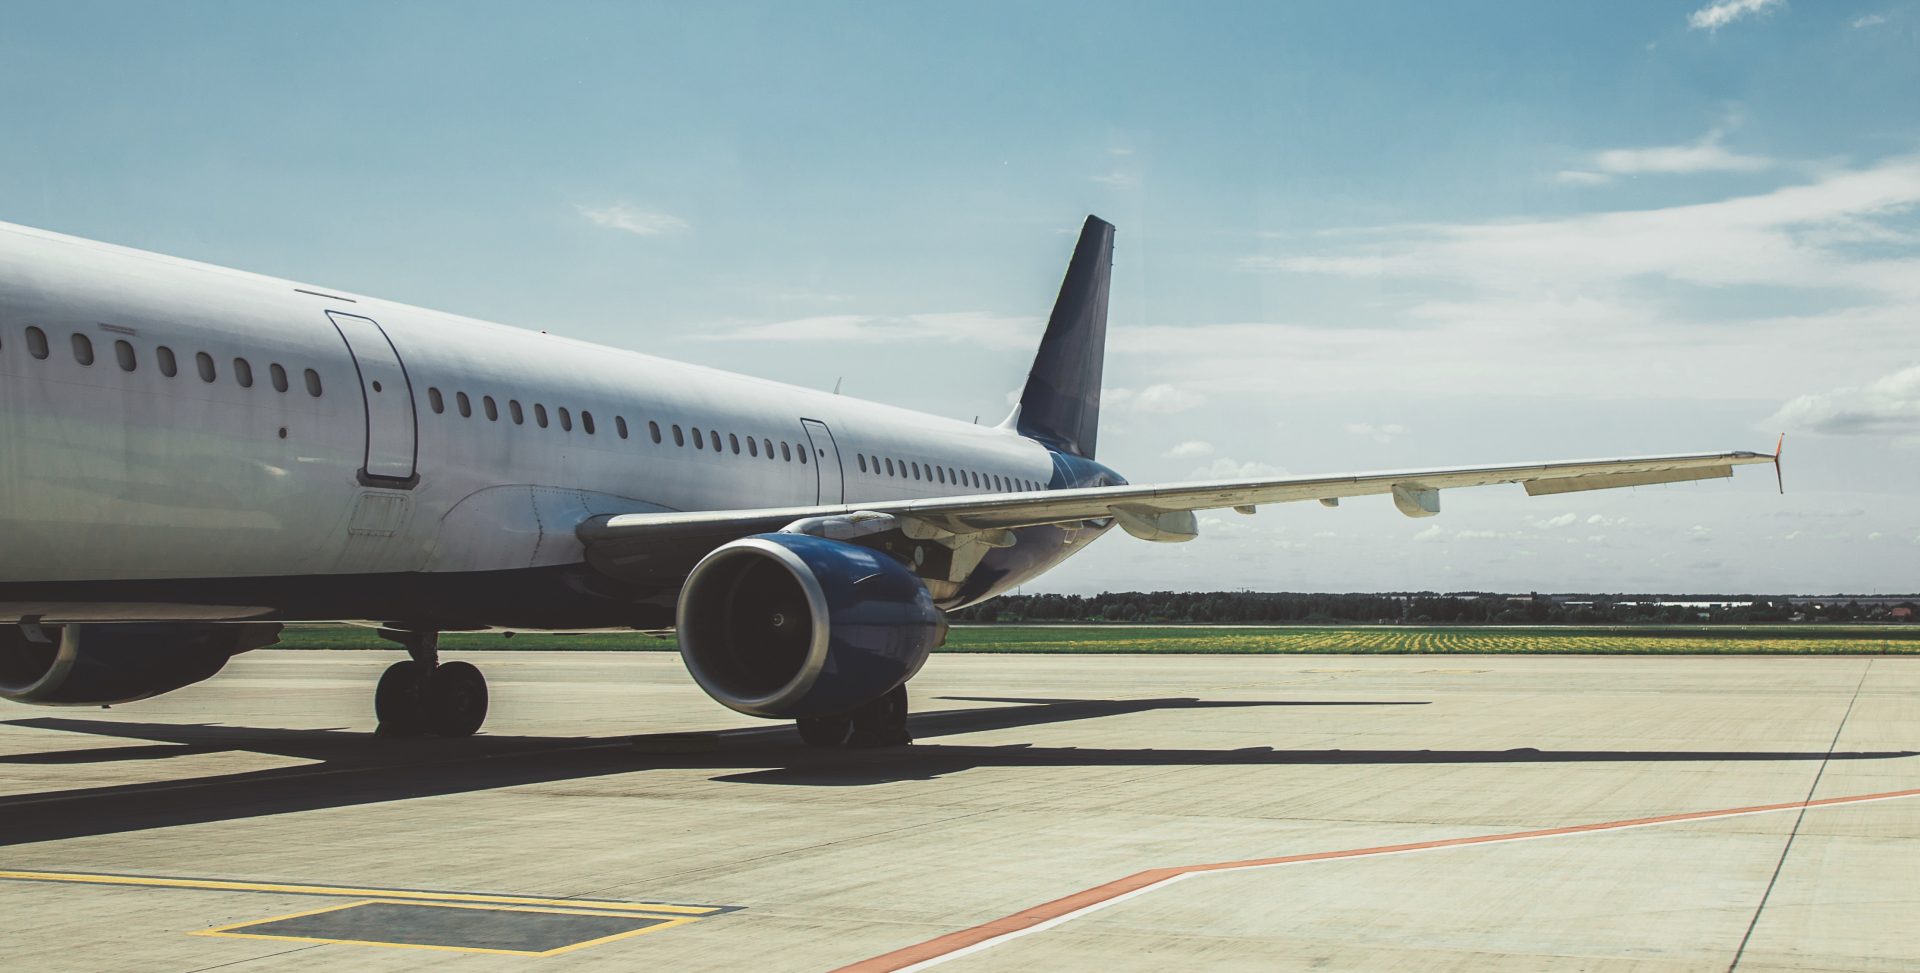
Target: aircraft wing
x,y
1162,512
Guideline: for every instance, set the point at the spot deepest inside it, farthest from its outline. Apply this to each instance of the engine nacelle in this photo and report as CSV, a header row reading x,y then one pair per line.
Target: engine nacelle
x,y
791,626
94,664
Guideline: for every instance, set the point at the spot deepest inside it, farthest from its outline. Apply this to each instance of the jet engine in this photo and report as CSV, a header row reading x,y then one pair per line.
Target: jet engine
x,y
792,626
94,664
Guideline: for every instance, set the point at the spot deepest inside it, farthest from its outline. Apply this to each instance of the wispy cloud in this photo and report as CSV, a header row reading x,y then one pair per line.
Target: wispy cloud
x,y
1228,469
1717,15
1888,406
1118,180
1793,236
1870,20
621,216
1191,449
1378,433
1706,154
972,327
1162,399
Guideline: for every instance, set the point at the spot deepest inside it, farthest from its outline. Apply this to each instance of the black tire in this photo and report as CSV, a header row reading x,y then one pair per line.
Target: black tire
x,y
400,700
457,703
828,731
883,722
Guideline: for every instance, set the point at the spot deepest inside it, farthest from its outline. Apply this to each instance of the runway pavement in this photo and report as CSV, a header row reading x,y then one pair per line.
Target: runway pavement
x,y
1111,813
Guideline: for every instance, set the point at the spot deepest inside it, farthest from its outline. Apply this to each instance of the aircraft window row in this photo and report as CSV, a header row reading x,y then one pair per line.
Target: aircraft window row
x,y
908,469
711,439
128,359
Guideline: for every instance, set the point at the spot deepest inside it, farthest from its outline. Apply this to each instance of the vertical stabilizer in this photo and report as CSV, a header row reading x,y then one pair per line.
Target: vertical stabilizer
x,y
1061,403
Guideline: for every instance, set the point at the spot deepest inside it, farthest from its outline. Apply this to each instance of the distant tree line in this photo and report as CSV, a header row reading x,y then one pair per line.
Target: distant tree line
x,y
1424,608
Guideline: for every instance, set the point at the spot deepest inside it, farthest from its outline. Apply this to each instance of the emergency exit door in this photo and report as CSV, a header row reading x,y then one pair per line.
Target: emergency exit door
x,y
826,462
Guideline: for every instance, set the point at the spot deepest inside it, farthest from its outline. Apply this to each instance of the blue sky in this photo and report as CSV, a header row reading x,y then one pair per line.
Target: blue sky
x,y
1351,236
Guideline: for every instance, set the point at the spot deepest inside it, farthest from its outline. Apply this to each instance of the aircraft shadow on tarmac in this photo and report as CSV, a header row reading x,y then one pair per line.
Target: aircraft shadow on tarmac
x,y
350,768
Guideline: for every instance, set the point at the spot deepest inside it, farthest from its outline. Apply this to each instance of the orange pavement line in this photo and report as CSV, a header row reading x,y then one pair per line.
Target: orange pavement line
x,y
1049,914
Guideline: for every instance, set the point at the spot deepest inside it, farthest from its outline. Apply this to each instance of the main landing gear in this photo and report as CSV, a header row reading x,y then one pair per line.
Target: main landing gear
x,y
881,723
419,695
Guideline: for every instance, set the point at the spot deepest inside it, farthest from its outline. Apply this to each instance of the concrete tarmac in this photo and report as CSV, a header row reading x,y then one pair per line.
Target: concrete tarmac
x,y
1379,813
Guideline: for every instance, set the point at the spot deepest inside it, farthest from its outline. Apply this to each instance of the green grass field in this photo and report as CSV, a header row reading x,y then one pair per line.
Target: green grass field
x,y
1194,639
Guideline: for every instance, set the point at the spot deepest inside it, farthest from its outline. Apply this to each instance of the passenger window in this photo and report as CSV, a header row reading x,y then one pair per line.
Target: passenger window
x,y
168,367
243,373
916,470
123,352
679,438
586,422
939,474
566,420
436,401
279,376
313,383
514,410
620,426
82,348
653,430
863,461
734,441
802,450
464,404
753,447
889,466
540,415
768,444
493,410
205,361
37,343
786,452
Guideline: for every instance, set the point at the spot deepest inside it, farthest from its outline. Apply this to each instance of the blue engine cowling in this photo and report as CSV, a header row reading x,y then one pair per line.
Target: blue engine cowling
x,y
792,626
91,664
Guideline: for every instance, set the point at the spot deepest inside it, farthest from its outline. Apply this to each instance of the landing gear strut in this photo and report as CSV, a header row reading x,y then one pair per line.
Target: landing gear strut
x,y
419,695
881,723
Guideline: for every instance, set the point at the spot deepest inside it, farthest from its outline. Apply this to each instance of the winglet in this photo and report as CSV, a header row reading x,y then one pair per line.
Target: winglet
x,y
1777,478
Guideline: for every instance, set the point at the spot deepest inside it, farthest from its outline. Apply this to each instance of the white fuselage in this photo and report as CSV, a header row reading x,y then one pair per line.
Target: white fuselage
x,y
115,471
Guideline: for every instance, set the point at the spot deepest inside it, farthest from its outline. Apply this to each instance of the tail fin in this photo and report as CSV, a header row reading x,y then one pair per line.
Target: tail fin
x,y
1061,403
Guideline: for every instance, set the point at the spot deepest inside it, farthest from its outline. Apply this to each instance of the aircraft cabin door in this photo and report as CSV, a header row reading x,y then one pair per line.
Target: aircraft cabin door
x,y
826,462
392,442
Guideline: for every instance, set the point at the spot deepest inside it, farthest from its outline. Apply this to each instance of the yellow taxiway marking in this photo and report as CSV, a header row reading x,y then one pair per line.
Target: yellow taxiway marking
x,y
406,895
229,933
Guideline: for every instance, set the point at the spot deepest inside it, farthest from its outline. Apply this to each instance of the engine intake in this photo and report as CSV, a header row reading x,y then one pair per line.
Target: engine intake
x,y
791,626
88,665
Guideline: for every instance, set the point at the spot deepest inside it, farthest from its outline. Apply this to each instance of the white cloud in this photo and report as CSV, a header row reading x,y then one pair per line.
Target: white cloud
x,y
1227,469
1888,406
1380,434
621,216
1433,534
972,327
1705,155
1118,180
1602,520
1762,239
1870,20
1717,15
1191,449
1554,523
1161,399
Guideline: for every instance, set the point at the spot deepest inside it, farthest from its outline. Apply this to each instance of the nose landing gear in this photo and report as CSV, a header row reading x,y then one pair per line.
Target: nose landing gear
x,y
418,695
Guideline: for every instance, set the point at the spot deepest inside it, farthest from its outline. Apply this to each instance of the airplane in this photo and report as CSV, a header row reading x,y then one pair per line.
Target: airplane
x,y
192,456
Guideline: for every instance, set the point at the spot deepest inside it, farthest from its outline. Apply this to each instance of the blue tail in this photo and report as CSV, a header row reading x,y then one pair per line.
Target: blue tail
x,y
1061,403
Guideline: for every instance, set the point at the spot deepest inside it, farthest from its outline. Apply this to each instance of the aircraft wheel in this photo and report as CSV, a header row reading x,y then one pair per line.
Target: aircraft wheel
x,y
826,731
883,722
400,700
457,701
